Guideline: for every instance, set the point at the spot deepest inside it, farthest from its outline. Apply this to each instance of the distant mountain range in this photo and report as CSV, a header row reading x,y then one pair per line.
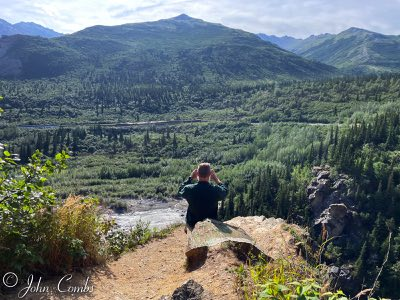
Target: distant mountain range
x,y
285,42
353,50
185,50
180,50
26,28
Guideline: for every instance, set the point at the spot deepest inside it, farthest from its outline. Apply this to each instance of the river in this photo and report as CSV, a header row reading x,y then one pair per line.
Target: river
x,y
159,214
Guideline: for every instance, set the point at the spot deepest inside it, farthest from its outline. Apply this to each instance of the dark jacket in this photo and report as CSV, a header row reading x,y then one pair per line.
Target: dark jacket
x,y
203,200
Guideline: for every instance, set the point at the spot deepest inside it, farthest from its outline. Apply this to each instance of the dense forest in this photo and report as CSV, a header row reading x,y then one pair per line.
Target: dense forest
x,y
94,98
264,147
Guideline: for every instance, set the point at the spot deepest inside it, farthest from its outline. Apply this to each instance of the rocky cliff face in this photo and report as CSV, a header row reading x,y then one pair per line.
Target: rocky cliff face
x,y
326,189
332,203
336,218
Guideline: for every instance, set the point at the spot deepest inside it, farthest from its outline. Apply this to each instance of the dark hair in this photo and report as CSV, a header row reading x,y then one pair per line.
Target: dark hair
x,y
204,170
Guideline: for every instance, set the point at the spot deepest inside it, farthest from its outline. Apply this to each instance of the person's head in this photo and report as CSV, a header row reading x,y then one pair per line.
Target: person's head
x,y
204,171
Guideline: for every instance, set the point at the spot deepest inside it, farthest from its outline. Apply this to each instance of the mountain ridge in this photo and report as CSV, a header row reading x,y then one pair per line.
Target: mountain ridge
x,y
177,49
352,50
26,28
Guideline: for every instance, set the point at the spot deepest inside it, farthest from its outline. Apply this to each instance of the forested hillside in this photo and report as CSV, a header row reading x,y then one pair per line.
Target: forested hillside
x,y
107,99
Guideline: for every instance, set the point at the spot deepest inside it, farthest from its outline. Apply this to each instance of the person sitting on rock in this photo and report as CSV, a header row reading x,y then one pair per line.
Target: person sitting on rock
x,y
202,196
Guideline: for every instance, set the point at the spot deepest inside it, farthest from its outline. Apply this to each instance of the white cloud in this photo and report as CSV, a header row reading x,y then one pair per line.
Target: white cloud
x,y
280,17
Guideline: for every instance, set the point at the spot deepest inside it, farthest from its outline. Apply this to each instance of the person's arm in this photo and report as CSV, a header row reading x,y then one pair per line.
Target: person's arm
x,y
182,191
222,190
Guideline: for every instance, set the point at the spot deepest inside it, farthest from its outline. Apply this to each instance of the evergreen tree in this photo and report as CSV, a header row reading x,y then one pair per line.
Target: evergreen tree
x,y
241,210
230,209
361,264
379,233
174,142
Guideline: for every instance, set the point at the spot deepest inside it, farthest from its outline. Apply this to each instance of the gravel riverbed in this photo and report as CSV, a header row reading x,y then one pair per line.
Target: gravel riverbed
x,y
158,213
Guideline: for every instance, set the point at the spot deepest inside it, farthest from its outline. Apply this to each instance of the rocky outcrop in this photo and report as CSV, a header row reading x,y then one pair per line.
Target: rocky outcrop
x,y
190,290
336,219
342,277
331,202
273,236
210,234
327,188
221,247
255,236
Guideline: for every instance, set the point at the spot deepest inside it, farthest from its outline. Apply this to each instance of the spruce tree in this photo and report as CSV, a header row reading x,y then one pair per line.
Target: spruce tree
x,y
361,265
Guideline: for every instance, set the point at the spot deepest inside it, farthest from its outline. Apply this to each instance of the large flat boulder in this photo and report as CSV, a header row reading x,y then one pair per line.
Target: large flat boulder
x,y
212,233
273,236
247,236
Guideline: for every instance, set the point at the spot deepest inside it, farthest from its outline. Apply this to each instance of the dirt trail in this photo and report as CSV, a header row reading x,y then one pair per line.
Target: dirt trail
x,y
150,272
158,269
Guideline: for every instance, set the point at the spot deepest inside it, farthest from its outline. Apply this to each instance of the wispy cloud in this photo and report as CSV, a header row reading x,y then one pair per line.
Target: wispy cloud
x,y
123,11
291,17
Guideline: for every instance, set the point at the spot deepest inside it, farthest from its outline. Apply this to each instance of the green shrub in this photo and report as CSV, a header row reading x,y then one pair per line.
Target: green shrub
x,y
120,240
118,206
106,173
38,234
26,202
76,236
144,170
283,280
305,289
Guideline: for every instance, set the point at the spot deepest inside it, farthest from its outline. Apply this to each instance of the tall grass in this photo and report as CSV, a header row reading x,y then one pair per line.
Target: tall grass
x,y
75,237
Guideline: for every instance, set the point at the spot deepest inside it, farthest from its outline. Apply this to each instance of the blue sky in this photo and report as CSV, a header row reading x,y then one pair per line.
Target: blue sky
x,y
292,17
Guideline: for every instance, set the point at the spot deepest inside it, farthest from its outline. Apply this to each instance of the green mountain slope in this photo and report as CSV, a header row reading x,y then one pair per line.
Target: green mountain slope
x,y
24,56
353,49
178,50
